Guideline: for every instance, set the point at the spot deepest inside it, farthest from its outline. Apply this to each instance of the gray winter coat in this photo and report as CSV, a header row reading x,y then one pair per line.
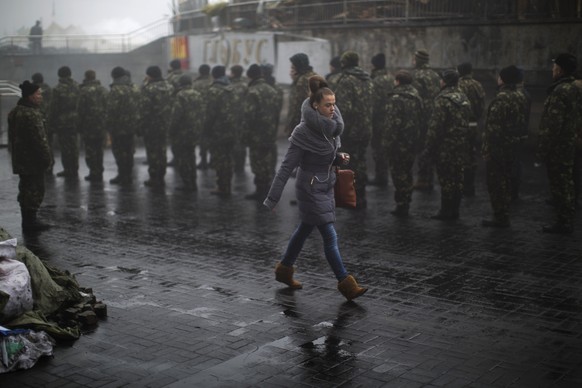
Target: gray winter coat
x,y
313,150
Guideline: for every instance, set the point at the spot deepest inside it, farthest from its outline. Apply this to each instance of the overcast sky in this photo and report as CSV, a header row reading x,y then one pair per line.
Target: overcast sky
x,y
93,16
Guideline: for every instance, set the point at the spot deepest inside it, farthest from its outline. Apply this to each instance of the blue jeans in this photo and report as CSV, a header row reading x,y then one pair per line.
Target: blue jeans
x,y
330,247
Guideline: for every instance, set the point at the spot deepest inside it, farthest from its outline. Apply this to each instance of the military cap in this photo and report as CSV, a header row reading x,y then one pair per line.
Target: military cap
x,y
184,80
509,74
350,59
335,62
421,56
379,61
300,61
28,88
465,68
37,78
90,75
567,62
117,72
64,71
175,64
154,71
450,76
218,71
204,69
236,70
254,71
404,77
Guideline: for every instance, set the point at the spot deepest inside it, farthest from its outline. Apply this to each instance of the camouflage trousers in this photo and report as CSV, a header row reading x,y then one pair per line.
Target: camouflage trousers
x,y
94,147
123,148
451,176
222,163
401,171
69,145
561,181
263,159
499,178
185,161
155,145
31,191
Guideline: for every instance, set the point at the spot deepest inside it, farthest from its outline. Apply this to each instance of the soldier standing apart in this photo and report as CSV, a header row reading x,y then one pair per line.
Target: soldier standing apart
x,y
63,121
261,117
91,112
31,154
220,129
353,92
46,91
403,108
240,86
300,72
447,143
476,95
36,38
202,83
155,111
557,136
504,132
383,85
122,117
185,128
427,82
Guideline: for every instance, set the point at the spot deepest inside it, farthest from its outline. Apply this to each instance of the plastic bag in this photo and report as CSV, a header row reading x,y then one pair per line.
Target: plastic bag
x,y
15,291
21,349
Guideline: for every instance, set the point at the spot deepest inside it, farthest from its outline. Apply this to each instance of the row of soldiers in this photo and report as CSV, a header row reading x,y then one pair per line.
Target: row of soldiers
x,y
434,119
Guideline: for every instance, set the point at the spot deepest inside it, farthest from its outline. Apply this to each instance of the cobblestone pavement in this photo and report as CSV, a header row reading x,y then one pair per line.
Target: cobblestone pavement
x,y
192,300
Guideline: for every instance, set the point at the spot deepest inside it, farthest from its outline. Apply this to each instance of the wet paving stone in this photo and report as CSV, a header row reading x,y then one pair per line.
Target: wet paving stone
x,y
192,301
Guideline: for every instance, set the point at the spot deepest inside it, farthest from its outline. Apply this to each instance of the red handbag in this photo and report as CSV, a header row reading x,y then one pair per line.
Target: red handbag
x,y
344,189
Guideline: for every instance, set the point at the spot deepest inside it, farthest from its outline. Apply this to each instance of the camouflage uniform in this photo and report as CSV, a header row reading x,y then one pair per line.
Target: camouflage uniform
x,y
504,132
220,131
262,106
47,94
155,111
173,78
91,110
557,136
402,123
447,144
383,85
297,94
516,170
122,119
31,156
202,83
63,121
185,128
427,82
240,150
476,95
353,92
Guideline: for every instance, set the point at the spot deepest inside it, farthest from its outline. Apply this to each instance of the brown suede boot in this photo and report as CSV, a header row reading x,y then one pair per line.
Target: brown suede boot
x,y
284,274
350,288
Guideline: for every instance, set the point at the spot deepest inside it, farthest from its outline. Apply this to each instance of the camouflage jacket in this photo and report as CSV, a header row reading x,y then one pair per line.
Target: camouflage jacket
x,y
122,108
427,82
92,109
353,92
221,118
505,124
559,122
202,83
297,94
173,78
63,108
155,108
47,94
187,116
261,113
27,138
402,121
447,139
383,85
476,95
240,88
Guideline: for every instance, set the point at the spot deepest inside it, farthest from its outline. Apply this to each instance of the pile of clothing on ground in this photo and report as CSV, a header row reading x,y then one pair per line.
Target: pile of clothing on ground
x,y
39,307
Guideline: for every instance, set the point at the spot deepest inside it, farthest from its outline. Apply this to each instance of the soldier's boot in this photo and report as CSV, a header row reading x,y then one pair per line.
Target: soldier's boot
x,y
350,288
445,213
284,274
155,182
31,223
401,210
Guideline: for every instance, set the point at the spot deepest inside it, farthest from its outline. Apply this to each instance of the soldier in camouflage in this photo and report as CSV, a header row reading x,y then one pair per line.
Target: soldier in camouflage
x,y
335,70
261,115
476,95
240,86
185,128
63,121
402,122
202,83
122,118
267,73
504,132
560,121
47,92
427,82
447,143
517,168
220,129
31,154
91,112
174,73
155,112
354,95
383,85
300,73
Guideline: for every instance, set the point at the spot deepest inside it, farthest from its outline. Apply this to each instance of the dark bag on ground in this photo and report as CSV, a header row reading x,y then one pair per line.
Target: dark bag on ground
x,y
344,189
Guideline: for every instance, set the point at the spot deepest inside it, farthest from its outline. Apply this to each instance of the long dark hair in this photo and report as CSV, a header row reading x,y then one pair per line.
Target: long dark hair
x,y
318,88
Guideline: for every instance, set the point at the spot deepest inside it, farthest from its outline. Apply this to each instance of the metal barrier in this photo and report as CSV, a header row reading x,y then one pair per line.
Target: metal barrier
x,y
108,43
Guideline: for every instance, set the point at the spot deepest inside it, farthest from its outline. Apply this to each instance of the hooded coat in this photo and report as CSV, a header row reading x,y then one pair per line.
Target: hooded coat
x,y
313,150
